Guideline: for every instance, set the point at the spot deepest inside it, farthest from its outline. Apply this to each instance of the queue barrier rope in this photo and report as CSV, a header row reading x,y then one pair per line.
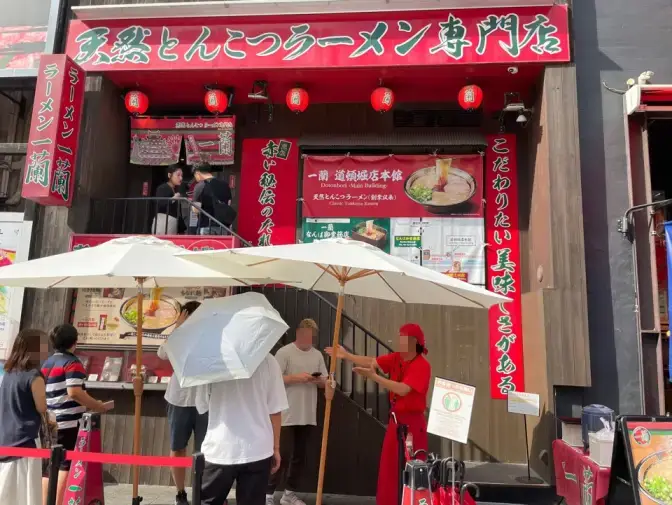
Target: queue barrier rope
x,y
99,457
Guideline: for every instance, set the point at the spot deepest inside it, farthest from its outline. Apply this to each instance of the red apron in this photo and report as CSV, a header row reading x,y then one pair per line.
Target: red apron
x,y
388,472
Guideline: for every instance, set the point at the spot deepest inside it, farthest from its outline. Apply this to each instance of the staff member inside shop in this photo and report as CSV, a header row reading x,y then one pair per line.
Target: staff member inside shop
x,y
409,373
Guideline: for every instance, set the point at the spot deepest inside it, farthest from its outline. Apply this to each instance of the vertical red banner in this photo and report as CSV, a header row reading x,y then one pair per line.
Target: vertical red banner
x,y
503,266
268,191
49,175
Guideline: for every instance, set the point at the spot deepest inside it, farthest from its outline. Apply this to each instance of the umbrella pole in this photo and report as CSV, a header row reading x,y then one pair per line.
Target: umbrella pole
x,y
138,387
327,408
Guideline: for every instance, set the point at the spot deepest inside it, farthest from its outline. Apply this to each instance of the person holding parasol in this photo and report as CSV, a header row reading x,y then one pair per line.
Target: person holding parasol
x,y
409,375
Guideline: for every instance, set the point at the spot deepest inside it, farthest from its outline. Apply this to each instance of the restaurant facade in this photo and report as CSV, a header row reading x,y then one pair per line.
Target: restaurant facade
x,y
444,134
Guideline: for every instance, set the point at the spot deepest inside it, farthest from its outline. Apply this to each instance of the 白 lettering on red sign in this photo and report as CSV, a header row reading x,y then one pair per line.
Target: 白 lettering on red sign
x,y
503,266
473,36
268,191
49,174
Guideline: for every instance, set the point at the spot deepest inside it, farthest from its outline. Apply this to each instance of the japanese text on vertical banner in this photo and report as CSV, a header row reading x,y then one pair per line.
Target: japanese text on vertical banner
x,y
503,260
49,177
268,191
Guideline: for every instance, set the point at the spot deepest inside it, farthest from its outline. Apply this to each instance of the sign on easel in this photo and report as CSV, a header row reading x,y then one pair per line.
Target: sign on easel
x,y
526,404
450,410
641,467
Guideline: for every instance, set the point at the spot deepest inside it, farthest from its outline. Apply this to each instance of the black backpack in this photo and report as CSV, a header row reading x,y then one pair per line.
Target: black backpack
x,y
222,211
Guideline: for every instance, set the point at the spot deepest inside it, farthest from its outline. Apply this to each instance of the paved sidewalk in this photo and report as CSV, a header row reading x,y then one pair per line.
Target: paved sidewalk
x,y
121,494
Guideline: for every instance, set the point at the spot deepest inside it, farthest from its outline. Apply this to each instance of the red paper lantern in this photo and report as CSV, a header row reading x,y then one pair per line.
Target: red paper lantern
x,y
216,101
136,102
470,97
382,99
297,100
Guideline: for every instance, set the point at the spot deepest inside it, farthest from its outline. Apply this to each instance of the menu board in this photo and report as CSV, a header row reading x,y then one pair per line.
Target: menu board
x,y
651,449
109,316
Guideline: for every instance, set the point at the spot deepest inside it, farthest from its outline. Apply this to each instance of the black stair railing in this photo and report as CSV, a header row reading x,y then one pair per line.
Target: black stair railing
x,y
122,216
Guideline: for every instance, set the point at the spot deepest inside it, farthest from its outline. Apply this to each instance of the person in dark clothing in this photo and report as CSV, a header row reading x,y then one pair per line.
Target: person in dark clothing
x,y
208,194
23,399
168,220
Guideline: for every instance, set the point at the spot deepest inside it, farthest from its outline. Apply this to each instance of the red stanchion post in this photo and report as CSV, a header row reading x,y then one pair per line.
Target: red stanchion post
x,y
85,480
57,457
197,478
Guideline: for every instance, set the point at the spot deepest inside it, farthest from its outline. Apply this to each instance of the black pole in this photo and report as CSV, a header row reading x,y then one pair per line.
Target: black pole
x,y
197,478
527,449
401,442
57,457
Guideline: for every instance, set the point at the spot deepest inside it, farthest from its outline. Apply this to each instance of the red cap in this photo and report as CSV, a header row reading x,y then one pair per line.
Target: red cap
x,y
414,330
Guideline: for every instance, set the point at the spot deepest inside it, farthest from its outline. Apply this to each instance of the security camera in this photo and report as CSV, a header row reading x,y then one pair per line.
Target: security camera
x,y
512,70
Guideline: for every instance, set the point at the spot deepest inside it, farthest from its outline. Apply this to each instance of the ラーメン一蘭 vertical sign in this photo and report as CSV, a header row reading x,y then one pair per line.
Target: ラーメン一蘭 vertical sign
x,y
503,266
49,174
268,191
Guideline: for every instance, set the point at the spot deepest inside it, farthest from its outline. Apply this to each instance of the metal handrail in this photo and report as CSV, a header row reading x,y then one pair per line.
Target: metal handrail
x,y
152,204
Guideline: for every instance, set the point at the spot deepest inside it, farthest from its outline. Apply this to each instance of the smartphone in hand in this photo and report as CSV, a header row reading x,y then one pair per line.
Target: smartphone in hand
x,y
316,374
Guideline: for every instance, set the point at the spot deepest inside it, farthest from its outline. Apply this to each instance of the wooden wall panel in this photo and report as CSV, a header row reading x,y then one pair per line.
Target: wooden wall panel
x,y
554,234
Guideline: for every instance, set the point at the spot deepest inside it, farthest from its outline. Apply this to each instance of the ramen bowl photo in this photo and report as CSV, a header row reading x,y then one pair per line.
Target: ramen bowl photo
x,y
654,474
158,313
370,233
440,189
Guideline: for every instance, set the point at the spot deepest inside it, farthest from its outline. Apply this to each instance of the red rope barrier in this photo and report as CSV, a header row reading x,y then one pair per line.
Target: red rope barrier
x,y
98,457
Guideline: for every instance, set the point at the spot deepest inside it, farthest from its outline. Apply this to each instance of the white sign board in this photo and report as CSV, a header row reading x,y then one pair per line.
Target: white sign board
x,y
526,404
14,247
450,410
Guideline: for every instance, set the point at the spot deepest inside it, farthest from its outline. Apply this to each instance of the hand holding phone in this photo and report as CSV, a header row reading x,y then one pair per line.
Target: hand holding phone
x,y
317,374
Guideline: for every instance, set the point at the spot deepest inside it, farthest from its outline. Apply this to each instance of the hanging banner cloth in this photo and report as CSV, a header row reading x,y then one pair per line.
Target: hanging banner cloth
x,y
158,141
668,246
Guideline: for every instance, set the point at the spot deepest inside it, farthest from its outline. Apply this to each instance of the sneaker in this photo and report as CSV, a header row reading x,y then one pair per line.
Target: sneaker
x,y
181,498
289,498
270,500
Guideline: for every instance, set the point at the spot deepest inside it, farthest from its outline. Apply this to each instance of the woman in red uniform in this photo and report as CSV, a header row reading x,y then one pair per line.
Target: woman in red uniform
x,y
409,375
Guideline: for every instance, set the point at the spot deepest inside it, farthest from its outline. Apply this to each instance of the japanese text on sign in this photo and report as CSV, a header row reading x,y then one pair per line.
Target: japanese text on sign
x,y
54,136
476,36
506,346
268,191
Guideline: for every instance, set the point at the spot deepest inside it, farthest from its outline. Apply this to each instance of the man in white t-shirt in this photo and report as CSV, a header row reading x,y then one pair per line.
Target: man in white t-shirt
x,y
183,418
304,371
242,444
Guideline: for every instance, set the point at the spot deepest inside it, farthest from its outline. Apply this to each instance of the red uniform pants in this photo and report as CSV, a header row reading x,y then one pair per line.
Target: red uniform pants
x,y
388,471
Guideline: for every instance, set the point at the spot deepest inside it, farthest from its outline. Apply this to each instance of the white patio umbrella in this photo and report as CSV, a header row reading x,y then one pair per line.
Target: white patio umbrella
x,y
129,262
224,339
349,267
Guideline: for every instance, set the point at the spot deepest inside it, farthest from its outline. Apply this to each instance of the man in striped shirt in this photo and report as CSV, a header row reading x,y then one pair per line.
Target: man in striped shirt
x,y
67,399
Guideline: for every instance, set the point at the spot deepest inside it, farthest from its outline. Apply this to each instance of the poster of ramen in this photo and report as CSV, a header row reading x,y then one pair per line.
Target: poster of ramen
x,y
651,447
110,316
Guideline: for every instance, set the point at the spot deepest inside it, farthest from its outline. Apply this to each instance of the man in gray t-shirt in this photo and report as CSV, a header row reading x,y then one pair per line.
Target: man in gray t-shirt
x,y
304,371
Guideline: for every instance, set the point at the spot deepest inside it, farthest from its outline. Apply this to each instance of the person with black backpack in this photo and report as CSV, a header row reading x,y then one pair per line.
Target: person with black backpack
x,y
214,198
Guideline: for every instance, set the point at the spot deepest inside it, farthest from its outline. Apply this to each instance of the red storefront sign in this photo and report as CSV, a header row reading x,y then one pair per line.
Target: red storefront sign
x,y
392,186
533,34
190,243
158,141
49,175
503,265
268,191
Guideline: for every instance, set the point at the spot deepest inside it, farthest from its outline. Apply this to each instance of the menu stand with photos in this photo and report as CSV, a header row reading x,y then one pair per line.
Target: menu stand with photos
x,y
641,465
525,404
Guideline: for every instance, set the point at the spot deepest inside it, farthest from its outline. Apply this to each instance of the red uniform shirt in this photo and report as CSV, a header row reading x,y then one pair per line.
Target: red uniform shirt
x,y
415,373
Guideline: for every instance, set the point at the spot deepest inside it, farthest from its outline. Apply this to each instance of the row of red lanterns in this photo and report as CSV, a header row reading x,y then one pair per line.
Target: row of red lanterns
x,y
382,99
470,98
